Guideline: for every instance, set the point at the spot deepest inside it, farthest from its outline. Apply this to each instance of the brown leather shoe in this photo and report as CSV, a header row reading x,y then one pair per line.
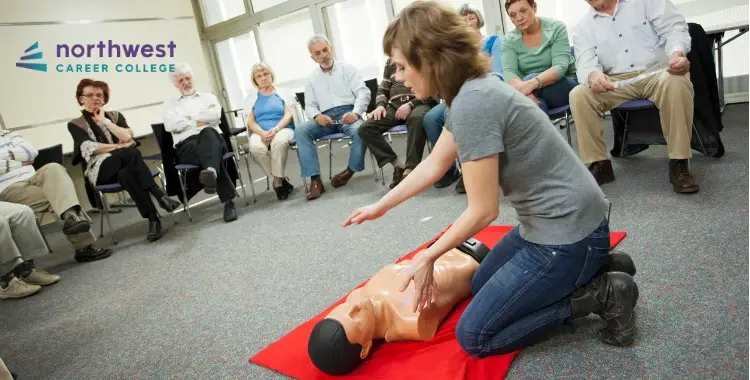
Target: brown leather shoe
x,y
398,176
342,178
602,171
316,189
680,178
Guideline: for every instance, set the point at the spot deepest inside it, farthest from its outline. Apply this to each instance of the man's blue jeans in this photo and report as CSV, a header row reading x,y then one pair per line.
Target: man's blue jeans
x,y
310,131
521,290
556,95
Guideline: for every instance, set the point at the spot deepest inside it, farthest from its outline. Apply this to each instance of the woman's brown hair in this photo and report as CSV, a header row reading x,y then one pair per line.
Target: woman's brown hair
x,y
508,3
93,83
436,41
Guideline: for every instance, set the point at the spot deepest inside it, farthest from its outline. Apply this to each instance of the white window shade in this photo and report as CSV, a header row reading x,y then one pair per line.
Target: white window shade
x,y
236,57
216,11
358,39
398,5
284,41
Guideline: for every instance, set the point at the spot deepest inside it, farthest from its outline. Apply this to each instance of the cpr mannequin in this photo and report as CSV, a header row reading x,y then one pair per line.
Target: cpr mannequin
x,y
378,310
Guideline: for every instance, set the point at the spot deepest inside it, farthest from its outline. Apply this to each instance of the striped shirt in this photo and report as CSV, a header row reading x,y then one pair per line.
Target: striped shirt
x,y
14,151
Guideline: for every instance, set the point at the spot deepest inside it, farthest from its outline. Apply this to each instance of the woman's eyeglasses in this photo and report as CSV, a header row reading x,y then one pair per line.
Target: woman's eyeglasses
x,y
98,96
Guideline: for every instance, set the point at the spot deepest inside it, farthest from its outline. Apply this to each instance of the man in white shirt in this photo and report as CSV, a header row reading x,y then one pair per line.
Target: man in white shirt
x,y
193,120
47,189
619,40
336,97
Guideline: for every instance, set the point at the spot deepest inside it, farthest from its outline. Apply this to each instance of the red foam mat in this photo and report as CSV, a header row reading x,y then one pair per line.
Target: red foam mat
x,y
440,358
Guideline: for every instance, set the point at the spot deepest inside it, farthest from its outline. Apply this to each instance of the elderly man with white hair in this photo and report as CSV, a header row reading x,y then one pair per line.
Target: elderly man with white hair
x,y
193,120
336,97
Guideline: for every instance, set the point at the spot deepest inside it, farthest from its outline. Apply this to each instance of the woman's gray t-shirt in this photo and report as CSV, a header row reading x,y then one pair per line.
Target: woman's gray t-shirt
x,y
556,198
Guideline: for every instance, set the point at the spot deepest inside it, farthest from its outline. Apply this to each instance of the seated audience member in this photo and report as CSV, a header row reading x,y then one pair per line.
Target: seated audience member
x,y
48,188
104,141
193,120
396,105
619,40
21,242
536,56
269,118
336,97
435,119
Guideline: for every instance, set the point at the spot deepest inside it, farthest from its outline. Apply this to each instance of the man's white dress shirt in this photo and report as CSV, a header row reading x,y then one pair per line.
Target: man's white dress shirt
x,y
201,106
343,85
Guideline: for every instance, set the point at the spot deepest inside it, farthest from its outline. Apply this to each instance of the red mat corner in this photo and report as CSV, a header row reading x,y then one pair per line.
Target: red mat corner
x,y
440,358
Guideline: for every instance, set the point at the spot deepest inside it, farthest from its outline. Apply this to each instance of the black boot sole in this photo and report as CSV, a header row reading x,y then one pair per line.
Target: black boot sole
x,y
620,311
208,180
85,259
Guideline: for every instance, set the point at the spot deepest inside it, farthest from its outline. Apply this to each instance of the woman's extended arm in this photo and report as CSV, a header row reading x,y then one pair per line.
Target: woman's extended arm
x,y
423,176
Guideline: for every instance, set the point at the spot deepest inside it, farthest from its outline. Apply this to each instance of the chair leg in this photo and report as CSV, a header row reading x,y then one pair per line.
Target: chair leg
x,y
106,215
164,186
242,183
700,141
186,206
624,132
44,237
567,126
299,159
330,159
250,177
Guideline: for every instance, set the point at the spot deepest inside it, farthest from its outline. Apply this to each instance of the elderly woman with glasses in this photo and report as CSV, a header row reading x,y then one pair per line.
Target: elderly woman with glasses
x,y
536,56
270,126
104,142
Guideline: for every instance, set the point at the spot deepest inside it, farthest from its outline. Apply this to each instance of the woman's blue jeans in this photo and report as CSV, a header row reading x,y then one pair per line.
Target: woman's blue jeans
x,y
556,95
521,290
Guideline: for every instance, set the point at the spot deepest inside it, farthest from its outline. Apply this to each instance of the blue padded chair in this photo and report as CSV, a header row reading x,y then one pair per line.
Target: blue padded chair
x,y
117,188
641,104
559,113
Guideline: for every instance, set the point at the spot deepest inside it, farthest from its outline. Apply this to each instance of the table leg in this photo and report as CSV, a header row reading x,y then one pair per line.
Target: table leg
x,y
720,64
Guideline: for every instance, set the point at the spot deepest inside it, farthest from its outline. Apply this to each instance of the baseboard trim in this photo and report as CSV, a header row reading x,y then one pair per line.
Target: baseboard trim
x,y
739,97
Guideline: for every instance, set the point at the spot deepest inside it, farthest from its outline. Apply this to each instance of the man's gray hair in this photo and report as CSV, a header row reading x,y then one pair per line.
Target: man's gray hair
x,y
180,68
471,9
315,39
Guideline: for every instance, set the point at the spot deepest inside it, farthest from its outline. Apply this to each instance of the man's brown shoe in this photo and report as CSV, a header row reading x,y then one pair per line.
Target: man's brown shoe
x,y
680,178
602,171
342,178
398,176
316,189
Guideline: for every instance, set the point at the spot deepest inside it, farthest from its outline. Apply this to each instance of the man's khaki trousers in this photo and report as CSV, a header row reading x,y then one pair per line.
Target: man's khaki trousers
x,y
672,94
49,188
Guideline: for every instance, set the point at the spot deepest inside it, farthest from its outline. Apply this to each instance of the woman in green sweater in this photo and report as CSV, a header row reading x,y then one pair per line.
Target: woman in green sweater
x,y
536,56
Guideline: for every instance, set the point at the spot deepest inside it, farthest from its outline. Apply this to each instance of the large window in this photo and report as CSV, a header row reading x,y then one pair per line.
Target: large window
x,y
236,56
284,42
216,11
566,11
398,5
259,5
358,39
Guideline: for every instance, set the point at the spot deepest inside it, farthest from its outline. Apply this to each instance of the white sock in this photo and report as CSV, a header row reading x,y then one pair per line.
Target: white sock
x,y
212,170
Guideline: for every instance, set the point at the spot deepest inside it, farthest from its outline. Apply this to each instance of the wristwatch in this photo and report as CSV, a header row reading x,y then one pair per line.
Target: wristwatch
x,y
540,82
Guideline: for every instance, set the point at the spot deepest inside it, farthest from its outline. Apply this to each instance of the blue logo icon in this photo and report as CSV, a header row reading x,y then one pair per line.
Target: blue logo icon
x,y
32,56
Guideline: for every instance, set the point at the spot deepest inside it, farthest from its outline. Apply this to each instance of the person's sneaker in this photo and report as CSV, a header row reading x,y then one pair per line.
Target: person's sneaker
x,y
230,212
18,289
91,253
208,179
40,277
74,224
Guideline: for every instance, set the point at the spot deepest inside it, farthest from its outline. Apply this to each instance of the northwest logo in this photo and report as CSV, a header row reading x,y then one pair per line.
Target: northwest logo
x,y
32,56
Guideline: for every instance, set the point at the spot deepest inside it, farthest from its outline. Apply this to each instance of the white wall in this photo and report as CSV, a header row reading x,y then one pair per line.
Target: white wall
x,y
28,98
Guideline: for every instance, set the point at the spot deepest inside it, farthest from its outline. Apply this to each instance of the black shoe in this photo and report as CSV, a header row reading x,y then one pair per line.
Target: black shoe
x,y
452,175
154,229
74,223
281,192
613,297
91,253
602,171
619,262
13,376
460,186
288,186
230,212
169,204
208,179
398,176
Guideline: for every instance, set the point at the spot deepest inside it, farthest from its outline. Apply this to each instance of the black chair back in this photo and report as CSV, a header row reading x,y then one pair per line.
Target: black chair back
x,y
301,99
372,84
53,154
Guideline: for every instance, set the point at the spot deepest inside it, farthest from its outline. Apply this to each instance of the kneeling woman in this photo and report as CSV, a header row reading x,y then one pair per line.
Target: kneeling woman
x,y
103,140
269,119
550,268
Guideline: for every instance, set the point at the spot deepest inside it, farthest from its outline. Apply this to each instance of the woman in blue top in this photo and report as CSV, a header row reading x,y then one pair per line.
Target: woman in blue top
x,y
270,126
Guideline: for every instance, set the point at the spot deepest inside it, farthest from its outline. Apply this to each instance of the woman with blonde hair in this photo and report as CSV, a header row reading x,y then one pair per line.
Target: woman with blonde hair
x,y
270,126
555,265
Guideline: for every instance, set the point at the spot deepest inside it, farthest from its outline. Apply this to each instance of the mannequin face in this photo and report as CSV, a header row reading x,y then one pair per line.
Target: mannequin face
x,y
359,322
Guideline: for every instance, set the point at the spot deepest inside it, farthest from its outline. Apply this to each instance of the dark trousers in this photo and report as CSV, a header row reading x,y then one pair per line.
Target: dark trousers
x,y
127,168
371,133
206,150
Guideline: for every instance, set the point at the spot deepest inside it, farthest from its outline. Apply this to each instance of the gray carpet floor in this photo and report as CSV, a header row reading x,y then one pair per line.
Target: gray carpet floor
x,y
198,303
